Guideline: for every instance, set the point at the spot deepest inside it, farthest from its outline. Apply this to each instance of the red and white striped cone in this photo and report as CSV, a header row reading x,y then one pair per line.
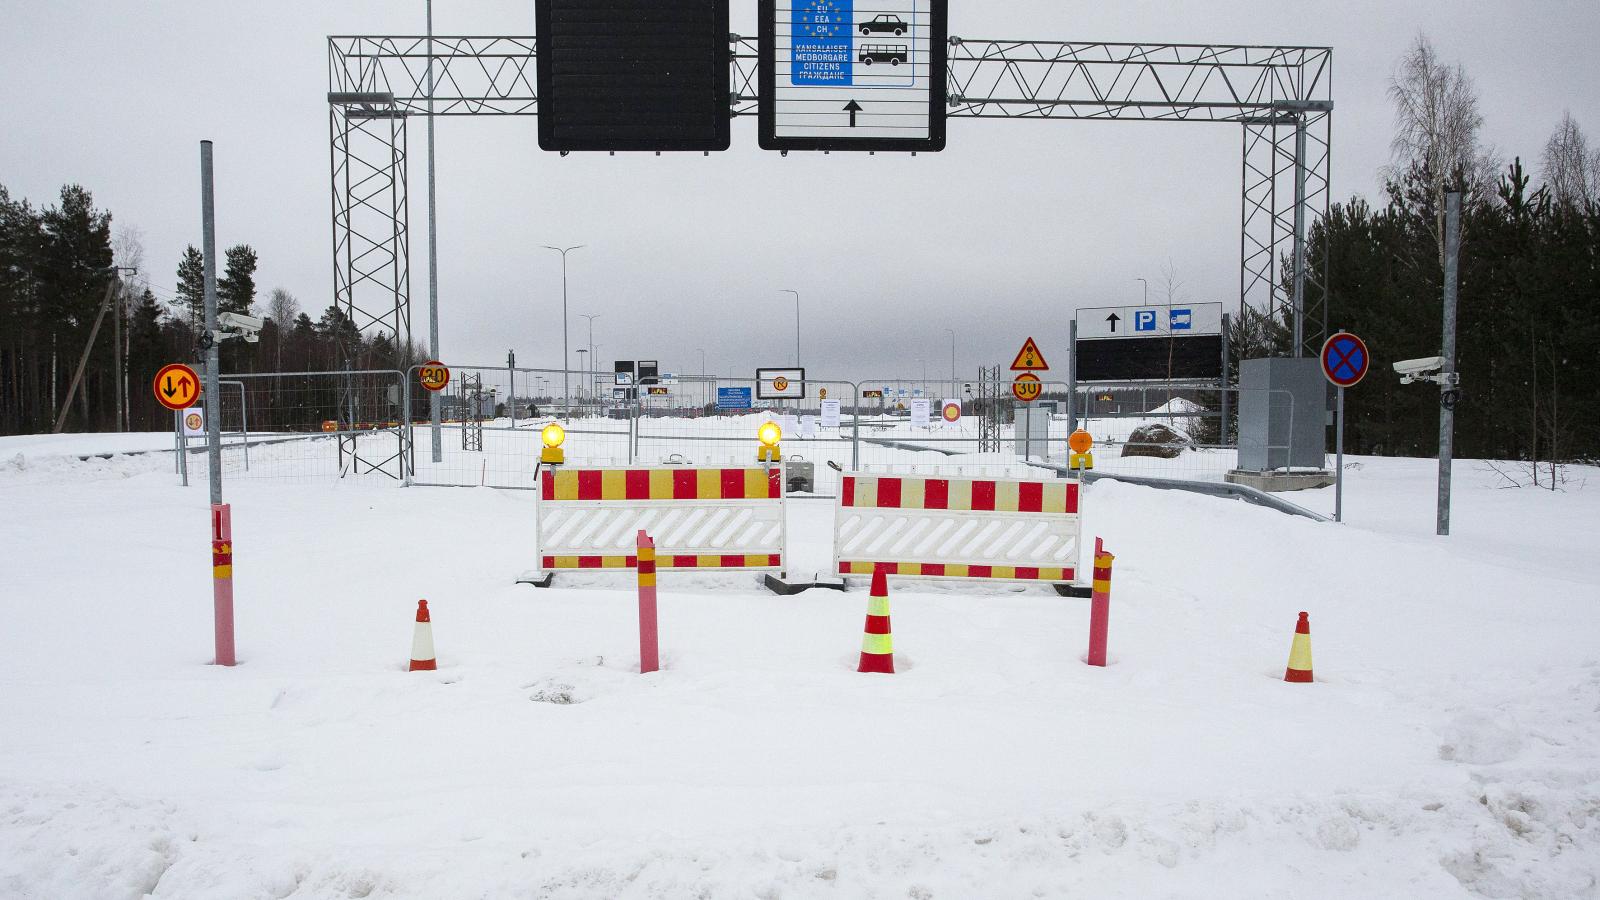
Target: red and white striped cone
x,y
422,658
877,645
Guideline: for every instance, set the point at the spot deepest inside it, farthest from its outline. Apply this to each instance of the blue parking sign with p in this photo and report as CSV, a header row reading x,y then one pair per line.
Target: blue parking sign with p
x,y
1144,320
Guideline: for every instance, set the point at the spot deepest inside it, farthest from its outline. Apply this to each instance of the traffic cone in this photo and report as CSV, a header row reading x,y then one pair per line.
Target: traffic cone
x,y
1299,670
422,659
877,645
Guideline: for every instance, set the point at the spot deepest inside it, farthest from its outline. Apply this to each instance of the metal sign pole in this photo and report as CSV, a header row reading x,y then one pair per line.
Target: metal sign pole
x,y
1072,376
1338,475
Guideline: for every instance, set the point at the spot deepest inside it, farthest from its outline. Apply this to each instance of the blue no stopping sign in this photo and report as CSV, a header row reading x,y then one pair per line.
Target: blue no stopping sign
x,y
1345,359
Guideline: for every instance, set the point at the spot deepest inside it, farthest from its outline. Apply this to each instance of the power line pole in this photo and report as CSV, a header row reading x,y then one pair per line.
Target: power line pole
x,y
83,361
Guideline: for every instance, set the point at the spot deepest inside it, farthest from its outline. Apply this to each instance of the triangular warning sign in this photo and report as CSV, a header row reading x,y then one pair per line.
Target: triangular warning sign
x,y
1029,359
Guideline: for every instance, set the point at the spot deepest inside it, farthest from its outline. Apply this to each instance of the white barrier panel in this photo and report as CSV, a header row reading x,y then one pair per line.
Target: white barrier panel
x,y
961,528
702,519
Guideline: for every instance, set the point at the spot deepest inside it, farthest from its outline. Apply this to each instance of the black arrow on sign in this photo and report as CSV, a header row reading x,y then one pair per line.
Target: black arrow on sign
x,y
1113,319
169,390
852,108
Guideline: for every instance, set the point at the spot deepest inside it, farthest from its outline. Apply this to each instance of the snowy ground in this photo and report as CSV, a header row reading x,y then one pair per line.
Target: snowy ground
x,y
1450,748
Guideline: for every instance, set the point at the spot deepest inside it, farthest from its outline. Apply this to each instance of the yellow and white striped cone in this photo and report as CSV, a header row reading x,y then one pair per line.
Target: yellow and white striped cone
x,y
1299,670
422,658
877,644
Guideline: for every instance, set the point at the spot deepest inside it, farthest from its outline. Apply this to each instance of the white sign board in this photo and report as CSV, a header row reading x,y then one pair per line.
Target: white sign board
x,y
808,426
194,422
1177,320
830,414
780,384
920,412
789,424
853,74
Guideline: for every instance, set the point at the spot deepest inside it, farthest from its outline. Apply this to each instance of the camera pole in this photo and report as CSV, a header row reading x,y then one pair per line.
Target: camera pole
x,y
221,516
1447,381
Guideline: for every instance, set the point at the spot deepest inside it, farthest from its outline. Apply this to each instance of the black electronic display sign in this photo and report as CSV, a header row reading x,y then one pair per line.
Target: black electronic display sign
x,y
633,75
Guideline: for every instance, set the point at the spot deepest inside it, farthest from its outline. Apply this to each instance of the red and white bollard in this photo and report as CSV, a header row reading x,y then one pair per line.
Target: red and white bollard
x,y
222,581
649,647
1100,605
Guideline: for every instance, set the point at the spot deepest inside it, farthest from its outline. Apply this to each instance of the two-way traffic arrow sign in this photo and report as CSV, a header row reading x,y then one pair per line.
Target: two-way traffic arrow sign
x,y
176,386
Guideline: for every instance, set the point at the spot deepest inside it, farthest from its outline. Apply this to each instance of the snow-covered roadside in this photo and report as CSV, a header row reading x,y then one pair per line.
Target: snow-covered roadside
x,y
1450,748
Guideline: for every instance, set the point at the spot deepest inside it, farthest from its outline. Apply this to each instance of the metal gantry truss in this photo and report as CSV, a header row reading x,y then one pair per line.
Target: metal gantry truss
x,y
1280,98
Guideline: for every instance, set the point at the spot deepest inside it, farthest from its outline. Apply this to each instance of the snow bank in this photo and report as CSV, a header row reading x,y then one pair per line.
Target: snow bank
x,y
1448,748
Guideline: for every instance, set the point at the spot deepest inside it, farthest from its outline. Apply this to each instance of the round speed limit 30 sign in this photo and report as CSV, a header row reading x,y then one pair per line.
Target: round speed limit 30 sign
x,y
1027,387
434,375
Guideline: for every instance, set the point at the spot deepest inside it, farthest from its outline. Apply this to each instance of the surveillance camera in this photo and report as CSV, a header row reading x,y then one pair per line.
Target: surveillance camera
x,y
246,324
1423,366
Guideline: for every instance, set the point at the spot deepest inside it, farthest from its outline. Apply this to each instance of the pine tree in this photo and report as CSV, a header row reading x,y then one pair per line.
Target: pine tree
x,y
73,260
236,290
192,286
146,355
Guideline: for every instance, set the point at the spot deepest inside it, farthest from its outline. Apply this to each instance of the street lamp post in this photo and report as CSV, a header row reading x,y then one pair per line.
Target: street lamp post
x,y
704,391
953,391
566,358
591,319
1146,290
796,324
583,357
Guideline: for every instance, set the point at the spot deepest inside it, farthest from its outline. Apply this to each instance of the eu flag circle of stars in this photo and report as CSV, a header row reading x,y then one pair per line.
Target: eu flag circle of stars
x,y
823,20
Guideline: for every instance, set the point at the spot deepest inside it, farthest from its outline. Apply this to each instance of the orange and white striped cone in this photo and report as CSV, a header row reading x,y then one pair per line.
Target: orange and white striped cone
x,y
877,645
1299,670
422,659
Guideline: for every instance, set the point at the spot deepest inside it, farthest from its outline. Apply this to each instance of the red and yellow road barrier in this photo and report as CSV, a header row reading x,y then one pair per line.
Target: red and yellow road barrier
x,y
989,529
699,518
675,483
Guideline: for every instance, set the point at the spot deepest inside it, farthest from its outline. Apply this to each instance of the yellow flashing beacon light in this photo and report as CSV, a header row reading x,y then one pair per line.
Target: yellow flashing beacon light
x,y
553,437
769,435
1081,442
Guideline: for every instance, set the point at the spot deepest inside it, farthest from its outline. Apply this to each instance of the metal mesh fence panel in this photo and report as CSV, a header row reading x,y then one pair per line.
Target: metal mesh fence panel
x,y
309,426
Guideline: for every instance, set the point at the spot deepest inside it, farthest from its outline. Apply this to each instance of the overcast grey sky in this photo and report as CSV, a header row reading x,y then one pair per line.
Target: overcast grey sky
x,y
1002,235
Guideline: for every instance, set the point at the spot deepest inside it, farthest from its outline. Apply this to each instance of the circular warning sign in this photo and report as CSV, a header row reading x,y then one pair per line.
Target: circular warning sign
x,y
823,394
780,383
176,386
951,411
1345,359
1027,387
434,375
193,422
